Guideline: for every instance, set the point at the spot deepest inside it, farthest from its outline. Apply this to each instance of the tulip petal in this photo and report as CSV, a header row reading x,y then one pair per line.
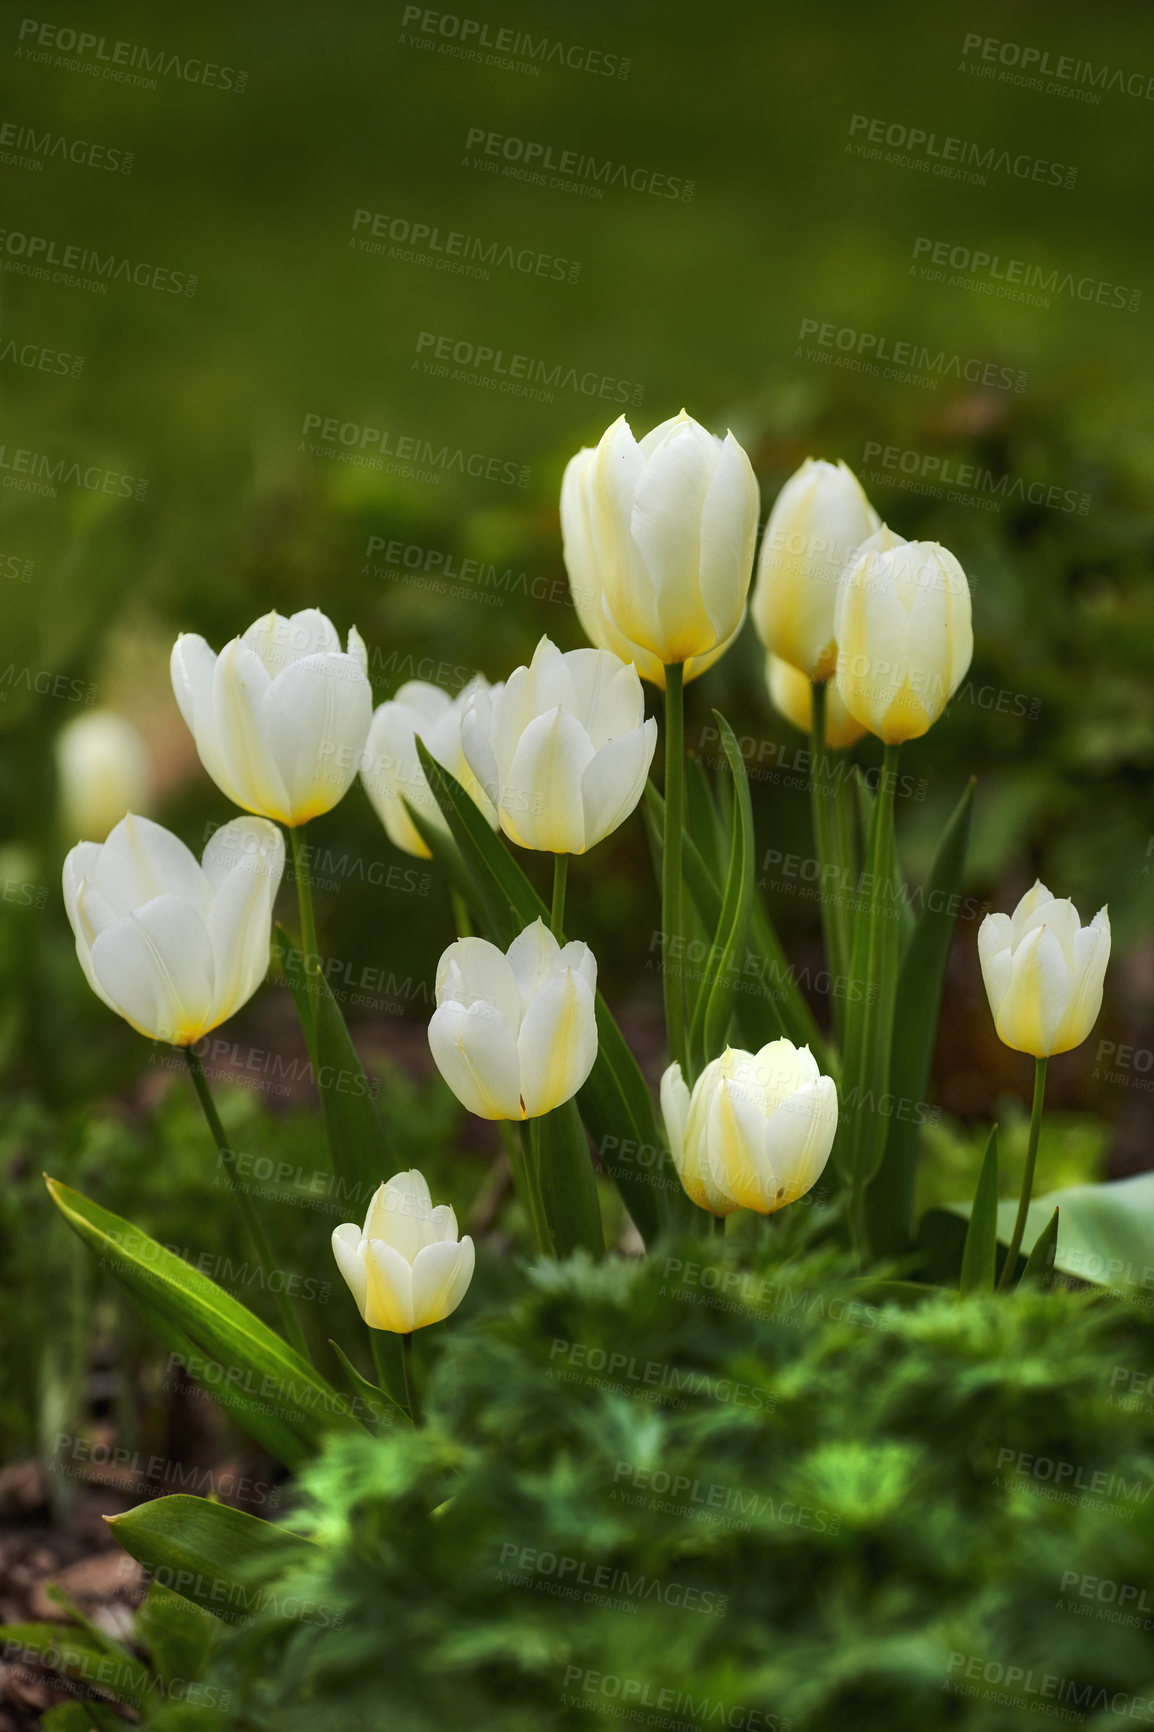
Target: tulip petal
x,y
1091,954
799,1135
192,665
142,860
473,971
389,1288
316,717
541,792
279,641
614,781
156,967
441,1276
607,695
557,1043
244,863
400,1212
231,735
475,1051
393,777
728,533
533,958
346,1242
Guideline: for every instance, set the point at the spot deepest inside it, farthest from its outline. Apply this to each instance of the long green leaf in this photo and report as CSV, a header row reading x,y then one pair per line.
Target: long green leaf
x,y
568,1187
731,933
267,1387
1040,1263
890,1199
208,1552
77,1654
980,1256
615,1101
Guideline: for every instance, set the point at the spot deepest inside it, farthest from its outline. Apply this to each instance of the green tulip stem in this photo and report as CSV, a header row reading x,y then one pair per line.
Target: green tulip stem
x,y
557,911
1028,1176
835,914
461,918
531,1184
292,1328
524,1180
304,897
671,893
410,1383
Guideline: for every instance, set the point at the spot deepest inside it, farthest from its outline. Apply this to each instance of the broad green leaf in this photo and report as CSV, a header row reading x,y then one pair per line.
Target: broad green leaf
x,y
373,1397
179,1640
615,1101
267,1387
1040,1263
980,1257
293,969
208,1552
890,1199
730,935
568,1188
1105,1233
77,1654
360,1147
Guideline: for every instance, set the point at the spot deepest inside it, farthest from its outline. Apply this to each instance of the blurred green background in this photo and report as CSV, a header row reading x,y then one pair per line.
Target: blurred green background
x,y
701,303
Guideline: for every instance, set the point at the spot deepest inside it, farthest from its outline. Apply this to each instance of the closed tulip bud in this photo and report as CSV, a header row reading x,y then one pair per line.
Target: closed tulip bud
x,y
904,636
514,1033
819,519
756,1131
172,946
1043,972
391,770
405,1267
585,580
280,717
562,749
791,693
103,771
672,522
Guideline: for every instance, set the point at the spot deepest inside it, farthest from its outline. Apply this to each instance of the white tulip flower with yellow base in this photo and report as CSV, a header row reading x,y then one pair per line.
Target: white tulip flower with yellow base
x,y
280,716
588,591
103,771
173,946
791,694
406,1267
562,749
1043,972
755,1131
514,1033
819,519
392,773
904,636
671,529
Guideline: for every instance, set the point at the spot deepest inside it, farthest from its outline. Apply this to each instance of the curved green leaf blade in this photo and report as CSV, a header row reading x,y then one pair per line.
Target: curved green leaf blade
x,y
209,1553
267,1387
1105,1234
730,935
980,1256
1040,1263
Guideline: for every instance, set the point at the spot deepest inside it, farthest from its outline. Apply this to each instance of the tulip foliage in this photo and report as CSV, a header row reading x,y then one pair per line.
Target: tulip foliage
x,y
864,634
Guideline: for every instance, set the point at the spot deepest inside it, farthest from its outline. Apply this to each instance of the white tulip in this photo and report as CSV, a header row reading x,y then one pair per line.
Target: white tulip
x,y
1043,972
818,520
405,1267
174,947
672,523
391,770
587,589
756,1131
904,636
280,717
103,771
562,749
514,1033
791,693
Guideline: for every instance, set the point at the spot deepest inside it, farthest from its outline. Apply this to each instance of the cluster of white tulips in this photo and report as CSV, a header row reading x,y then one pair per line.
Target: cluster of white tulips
x,y
863,632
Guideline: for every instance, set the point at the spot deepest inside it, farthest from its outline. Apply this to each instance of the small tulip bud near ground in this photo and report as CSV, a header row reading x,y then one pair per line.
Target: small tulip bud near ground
x,y
103,770
1043,972
174,947
514,1033
756,1130
280,716
391,770
562,748
818,520
668,536
405,1267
